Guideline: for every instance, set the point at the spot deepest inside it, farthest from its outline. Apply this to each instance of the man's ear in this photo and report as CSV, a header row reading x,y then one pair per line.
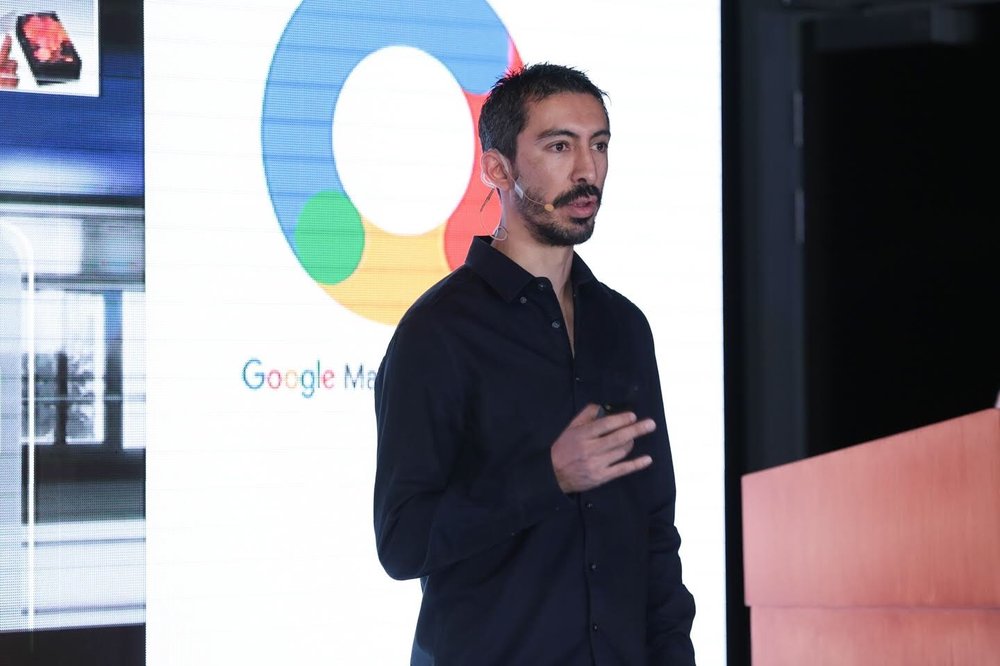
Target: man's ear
x,y
495,170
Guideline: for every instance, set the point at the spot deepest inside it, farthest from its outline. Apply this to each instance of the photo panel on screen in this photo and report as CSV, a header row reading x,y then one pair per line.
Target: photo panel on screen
x,y
72,320
50,47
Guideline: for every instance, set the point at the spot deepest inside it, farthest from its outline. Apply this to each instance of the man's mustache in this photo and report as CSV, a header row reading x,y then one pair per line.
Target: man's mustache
x,y
580,191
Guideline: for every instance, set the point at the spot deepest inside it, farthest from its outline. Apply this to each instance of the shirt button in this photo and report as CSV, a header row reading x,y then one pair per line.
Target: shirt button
x,y
541,286
556,324
594,626
589,505
523,300
593,566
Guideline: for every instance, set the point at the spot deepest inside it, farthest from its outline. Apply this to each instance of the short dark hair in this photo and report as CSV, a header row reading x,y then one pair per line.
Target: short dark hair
x,y
505,111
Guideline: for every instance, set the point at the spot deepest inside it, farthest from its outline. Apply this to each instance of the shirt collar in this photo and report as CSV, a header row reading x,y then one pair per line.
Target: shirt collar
x,y
506,276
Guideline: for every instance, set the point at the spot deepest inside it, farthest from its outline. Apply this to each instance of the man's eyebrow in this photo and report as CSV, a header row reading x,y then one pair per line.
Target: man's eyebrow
x,y
558,131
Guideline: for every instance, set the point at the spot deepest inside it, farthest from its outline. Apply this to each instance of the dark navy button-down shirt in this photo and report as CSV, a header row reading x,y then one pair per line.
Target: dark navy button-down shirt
x,y
478,382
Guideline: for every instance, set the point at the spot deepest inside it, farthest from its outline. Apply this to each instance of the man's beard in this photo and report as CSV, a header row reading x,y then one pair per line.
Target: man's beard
x,y
543,225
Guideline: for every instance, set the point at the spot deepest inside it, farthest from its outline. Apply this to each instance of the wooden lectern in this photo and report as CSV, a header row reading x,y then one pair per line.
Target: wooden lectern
x,y
881,554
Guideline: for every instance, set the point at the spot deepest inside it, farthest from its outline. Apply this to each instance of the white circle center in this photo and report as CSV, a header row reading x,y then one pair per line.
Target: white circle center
x,y
403,140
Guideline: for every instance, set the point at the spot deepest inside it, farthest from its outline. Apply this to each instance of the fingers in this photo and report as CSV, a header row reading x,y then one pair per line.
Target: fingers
x,y
624,434
607,459
5,49
606,424
591,451
586,415
628,467
614,466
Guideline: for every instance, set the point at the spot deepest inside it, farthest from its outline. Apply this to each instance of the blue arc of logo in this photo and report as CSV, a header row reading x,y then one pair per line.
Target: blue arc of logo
x,y
322,44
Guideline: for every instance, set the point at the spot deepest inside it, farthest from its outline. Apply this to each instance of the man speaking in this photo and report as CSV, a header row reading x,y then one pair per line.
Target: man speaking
x,y
524,471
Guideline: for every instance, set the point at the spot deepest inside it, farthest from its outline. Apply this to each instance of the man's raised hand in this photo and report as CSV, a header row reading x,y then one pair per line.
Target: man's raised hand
x,y
591,450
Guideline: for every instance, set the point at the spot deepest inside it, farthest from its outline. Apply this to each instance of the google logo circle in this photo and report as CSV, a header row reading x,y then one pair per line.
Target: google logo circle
x,y
361,262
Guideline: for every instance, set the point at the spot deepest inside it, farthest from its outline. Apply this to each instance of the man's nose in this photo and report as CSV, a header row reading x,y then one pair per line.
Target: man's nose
x,y
585,166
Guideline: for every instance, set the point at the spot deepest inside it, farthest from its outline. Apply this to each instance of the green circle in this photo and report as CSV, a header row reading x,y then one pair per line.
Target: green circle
x,y
329,237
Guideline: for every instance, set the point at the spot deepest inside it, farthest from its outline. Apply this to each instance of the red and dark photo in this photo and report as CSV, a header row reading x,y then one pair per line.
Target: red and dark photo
x,y
47,47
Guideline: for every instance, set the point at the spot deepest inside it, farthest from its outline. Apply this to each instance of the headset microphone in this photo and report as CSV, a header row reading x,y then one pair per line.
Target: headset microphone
x,y
520,192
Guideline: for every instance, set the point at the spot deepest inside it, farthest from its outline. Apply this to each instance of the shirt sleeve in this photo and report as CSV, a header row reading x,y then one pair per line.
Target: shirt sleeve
x,y
432,507
671,606
671,609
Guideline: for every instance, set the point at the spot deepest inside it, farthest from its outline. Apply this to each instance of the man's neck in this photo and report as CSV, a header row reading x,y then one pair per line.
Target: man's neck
x,y
548,261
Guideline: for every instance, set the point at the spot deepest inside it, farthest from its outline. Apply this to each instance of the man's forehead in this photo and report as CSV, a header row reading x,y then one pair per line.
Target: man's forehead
x,y
566,112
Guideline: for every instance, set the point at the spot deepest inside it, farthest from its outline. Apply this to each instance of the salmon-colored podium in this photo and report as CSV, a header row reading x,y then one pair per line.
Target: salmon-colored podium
x,y
886,553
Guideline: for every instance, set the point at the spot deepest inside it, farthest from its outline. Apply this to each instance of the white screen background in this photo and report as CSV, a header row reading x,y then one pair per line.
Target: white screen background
x,y
259,531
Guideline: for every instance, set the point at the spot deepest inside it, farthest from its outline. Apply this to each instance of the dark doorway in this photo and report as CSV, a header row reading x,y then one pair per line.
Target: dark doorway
x,y
901,157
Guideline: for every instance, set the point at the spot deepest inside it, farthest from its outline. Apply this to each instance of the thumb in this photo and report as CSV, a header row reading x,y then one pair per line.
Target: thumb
x,y
586,415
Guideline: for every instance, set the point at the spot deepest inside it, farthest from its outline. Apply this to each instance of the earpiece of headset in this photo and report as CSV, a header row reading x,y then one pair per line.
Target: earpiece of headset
x,y
508,172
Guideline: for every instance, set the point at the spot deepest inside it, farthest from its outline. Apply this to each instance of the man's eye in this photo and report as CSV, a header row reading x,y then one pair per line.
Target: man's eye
x,y
560,147
601,147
